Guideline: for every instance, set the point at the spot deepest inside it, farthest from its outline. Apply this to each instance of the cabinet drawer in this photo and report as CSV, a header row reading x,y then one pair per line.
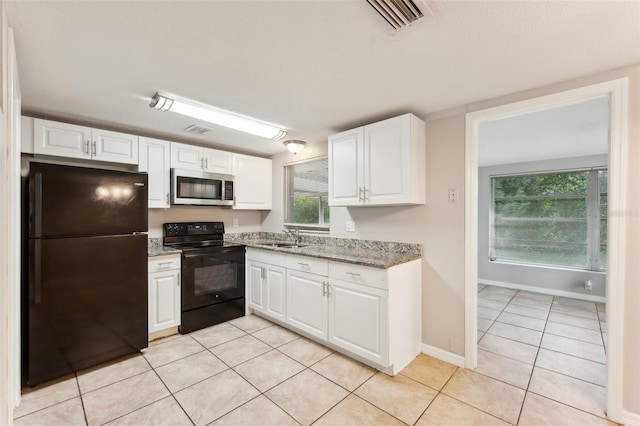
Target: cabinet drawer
x,y
164,263
364,275
308,264
266,256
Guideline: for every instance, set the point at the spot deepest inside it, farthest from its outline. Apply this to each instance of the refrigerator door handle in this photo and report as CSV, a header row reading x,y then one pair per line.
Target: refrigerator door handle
x,y
37,271
37,213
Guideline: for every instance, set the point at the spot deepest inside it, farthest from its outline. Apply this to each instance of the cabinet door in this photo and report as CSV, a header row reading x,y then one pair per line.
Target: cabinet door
x,y
253,183
154,159
187,157
358,320
306,303
114,147
217,161
164,300
61,139
255,278
275,291
346,170
387,166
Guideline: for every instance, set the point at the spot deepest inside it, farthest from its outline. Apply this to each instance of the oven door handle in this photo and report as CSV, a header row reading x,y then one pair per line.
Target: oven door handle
x,y
206,255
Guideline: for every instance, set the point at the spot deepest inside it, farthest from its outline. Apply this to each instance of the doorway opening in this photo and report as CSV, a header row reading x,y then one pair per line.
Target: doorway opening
x,y
615,93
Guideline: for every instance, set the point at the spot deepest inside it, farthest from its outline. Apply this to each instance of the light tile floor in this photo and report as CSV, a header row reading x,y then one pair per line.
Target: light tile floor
x,y
251,372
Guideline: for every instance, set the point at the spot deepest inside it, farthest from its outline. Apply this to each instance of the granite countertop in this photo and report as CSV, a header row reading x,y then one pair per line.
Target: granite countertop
x,y
384,256
376,254
155,248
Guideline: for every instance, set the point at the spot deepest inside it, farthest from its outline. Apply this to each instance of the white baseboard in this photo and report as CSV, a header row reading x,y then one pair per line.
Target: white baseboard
x,y
630,419
450,357
543,290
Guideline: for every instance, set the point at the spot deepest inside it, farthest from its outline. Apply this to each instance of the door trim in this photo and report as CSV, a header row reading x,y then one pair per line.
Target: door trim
x,y
617,90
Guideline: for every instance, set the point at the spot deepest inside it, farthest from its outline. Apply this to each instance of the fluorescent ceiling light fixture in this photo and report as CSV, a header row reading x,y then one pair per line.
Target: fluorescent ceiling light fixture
x,y
216,116
294,146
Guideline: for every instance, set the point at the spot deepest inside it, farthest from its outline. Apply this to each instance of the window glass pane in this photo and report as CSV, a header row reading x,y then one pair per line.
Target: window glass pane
x,y
542,219
543,207
305,209
603,256
569,183
543,253
325,209
307,192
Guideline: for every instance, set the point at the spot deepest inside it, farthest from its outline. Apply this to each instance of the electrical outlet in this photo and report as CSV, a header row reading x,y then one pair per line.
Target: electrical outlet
x,y
235,222
588,285
351,226
453,195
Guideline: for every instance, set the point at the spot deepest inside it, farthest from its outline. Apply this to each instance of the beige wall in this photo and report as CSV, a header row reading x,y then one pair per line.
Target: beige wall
x,y
248,221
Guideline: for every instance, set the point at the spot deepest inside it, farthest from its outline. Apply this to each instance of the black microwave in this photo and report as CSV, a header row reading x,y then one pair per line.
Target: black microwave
x,y
200,188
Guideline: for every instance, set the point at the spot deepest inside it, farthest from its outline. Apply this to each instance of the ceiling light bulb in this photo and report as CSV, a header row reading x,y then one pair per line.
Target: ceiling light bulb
x,y
217,116
294,146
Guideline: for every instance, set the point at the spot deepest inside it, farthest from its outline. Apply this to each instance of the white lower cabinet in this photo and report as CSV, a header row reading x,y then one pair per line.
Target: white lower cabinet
x,y
306,303
358,320
266,284
369,313
164,292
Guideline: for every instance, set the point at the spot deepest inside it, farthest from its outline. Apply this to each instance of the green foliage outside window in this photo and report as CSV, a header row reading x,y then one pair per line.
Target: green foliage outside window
x,y
307,193
549,218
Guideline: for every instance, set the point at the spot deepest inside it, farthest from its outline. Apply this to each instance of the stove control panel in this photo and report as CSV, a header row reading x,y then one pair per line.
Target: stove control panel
x,y
193,228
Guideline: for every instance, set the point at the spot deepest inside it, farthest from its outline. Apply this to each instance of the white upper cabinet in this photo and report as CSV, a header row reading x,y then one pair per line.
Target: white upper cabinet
x,y
61,139
114,147
381,164
186,157
26,135
216,161
189,157
253,182
346,172
72,141
154,156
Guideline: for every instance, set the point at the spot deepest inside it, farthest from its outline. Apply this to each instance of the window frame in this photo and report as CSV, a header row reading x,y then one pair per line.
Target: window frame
x,y
321,227
592,218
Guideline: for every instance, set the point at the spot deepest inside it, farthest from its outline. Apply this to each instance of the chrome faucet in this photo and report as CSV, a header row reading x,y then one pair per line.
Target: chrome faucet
x,y
295,233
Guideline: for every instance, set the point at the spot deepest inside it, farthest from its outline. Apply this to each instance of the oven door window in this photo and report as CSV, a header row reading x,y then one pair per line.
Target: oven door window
x,y
215,278
208,189
211,278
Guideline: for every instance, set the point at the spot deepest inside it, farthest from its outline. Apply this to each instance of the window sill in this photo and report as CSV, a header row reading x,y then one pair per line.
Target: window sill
x,y
320,229
544,266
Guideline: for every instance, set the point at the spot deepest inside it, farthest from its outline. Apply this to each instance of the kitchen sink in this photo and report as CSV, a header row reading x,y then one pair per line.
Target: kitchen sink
x,y
286,245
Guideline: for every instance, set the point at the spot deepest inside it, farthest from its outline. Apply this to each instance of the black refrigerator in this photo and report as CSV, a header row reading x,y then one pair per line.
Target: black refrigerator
x,y
85,297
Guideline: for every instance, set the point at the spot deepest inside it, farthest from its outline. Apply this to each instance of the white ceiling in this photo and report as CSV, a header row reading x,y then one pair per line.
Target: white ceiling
x,y
315,67
575,130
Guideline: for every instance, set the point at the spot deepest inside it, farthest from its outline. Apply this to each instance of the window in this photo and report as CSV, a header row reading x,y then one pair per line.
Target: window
x,y
555,219
306,195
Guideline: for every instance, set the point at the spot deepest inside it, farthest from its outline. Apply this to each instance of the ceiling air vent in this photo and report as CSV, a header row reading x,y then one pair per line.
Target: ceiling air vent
x,y
400,13
198,130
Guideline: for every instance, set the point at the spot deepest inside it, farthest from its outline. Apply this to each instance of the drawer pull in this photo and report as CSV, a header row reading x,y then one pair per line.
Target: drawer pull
x,y
353,274
164,263
303,264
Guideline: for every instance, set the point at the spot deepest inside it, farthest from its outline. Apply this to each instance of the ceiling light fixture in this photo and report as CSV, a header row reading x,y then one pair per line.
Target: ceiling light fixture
x,y
295,146
216,116
400,13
